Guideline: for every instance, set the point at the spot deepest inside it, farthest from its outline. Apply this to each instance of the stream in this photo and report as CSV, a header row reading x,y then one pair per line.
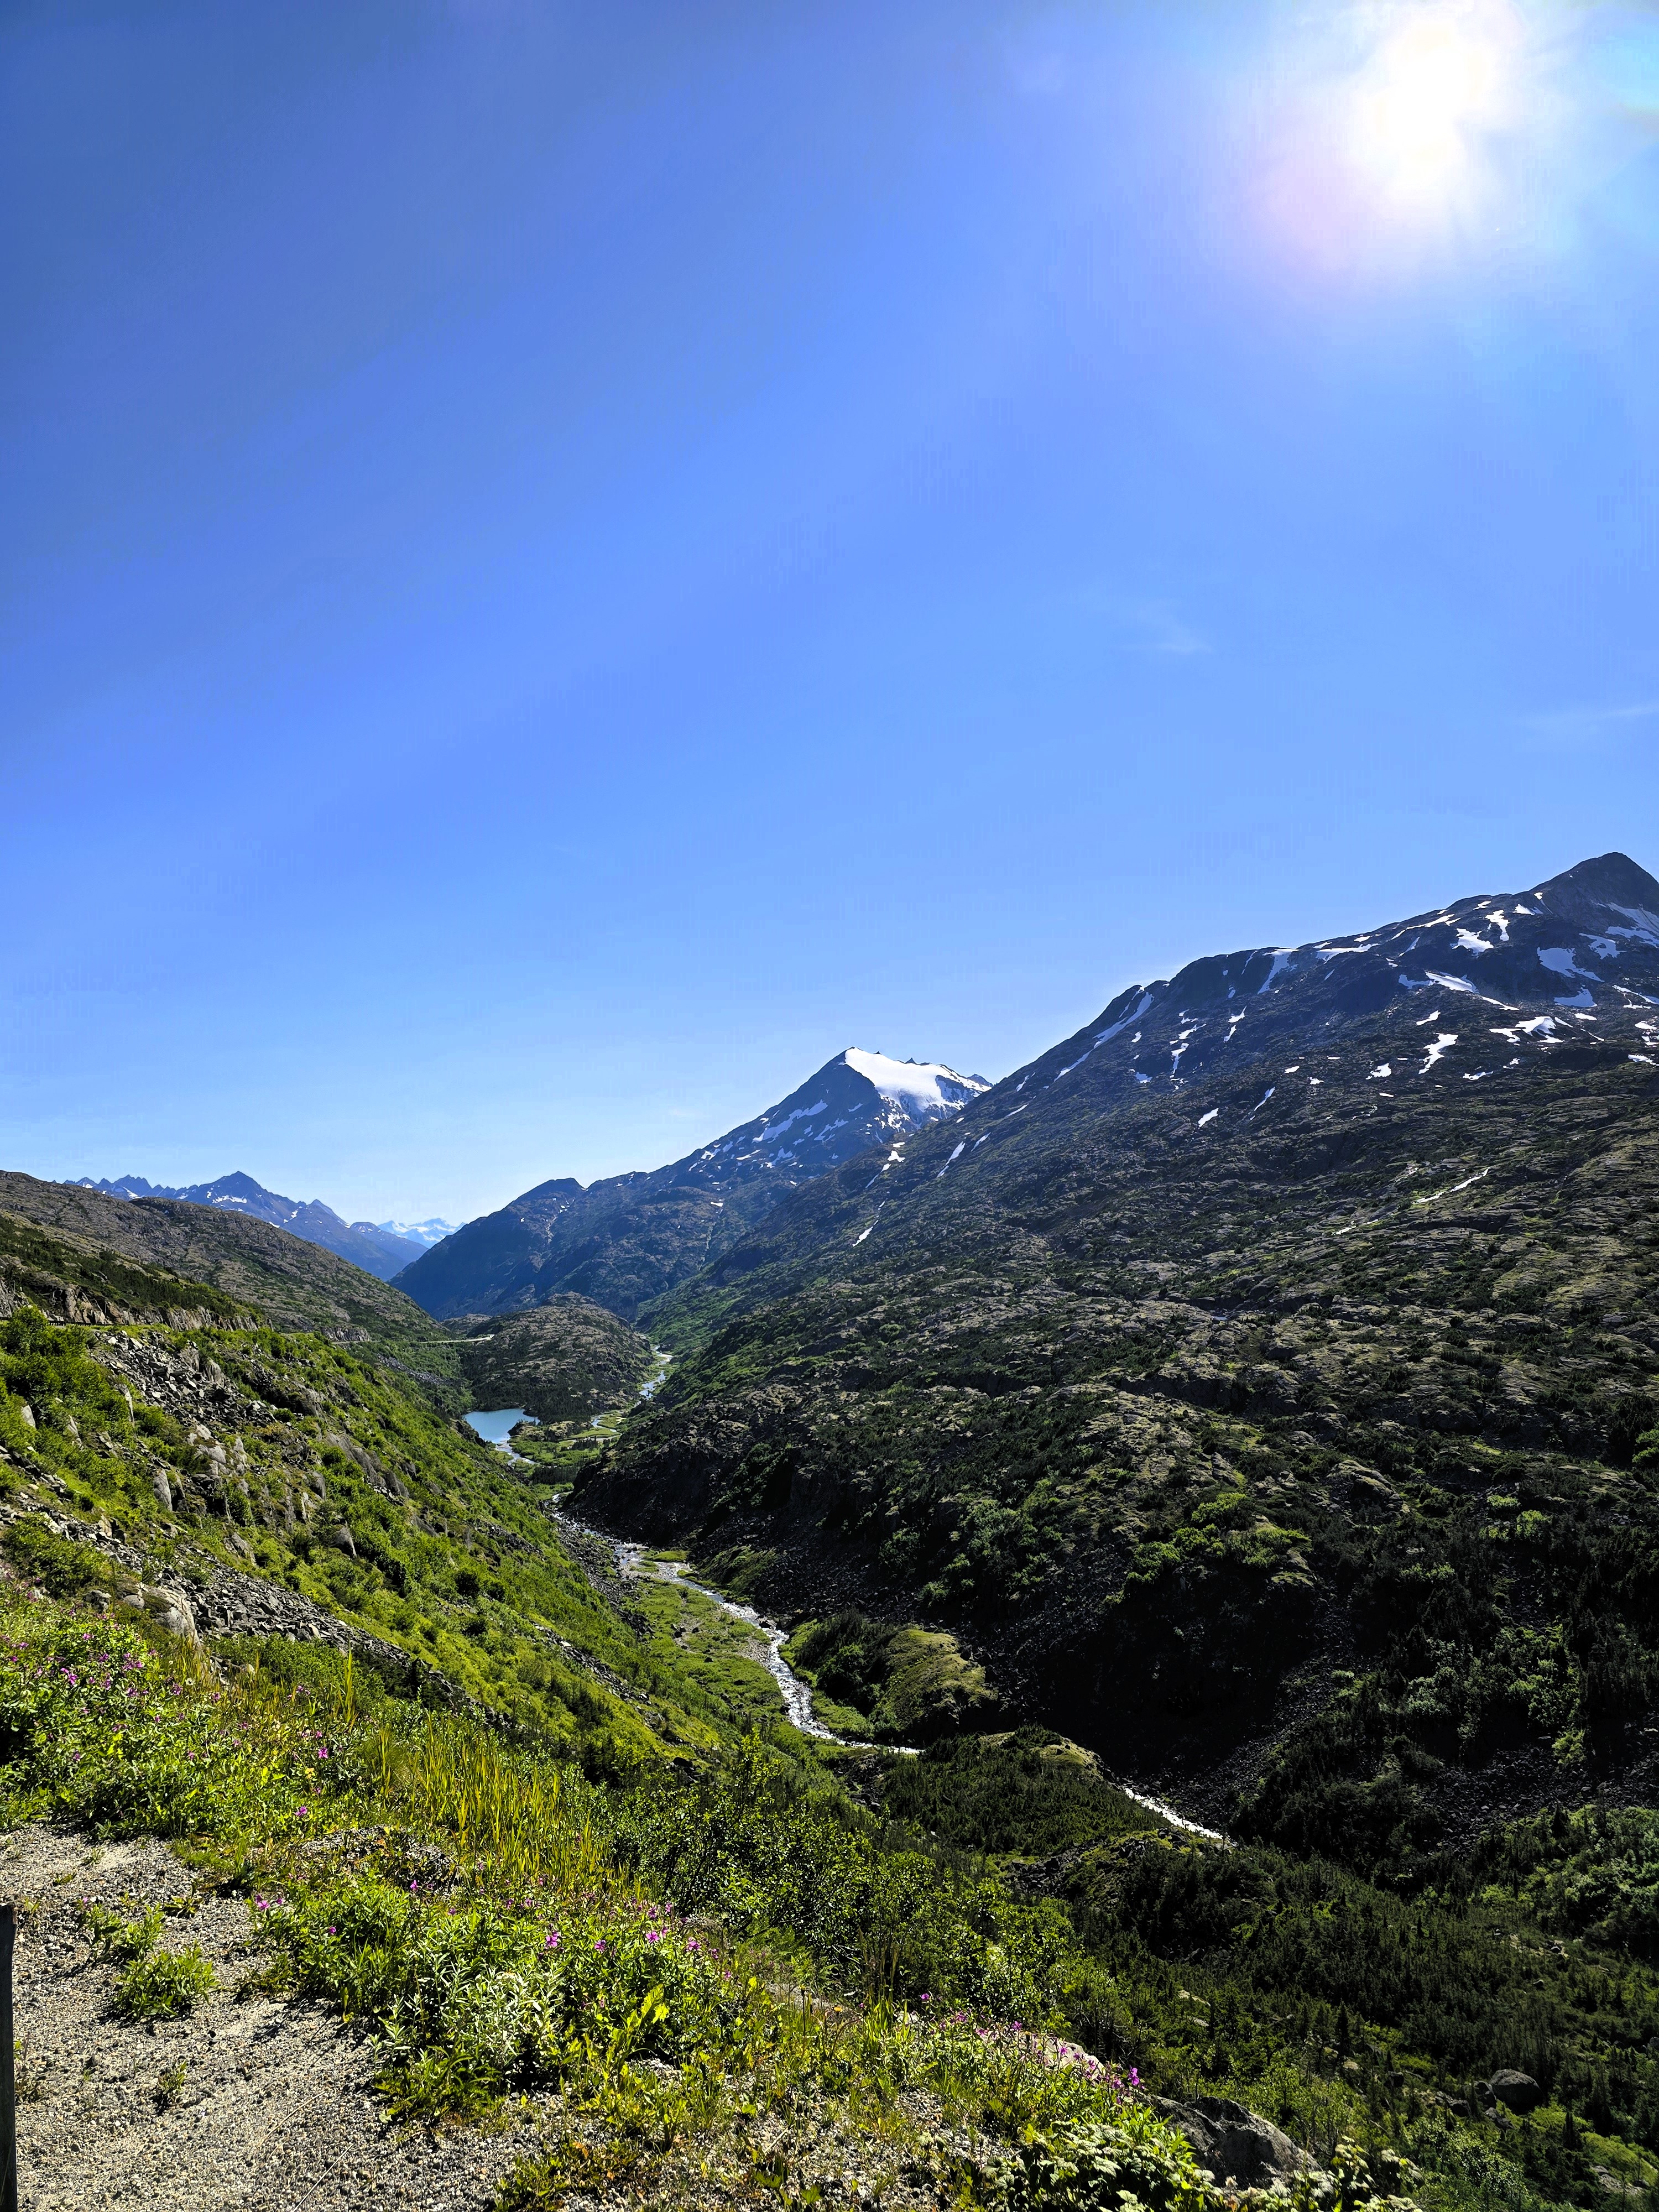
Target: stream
x,y
633,1559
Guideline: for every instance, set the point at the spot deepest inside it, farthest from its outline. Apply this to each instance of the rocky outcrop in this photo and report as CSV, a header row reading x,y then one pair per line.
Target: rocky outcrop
x,y
1237,2145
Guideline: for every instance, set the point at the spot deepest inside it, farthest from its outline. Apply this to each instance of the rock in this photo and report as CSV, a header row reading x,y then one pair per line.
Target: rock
x,y
1519,2091
1236,2143
167,1608
171,1608
26,1413
163,1489
340,1537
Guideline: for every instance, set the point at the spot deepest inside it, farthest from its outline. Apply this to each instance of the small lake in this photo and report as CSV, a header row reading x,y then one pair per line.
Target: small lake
x,y
495,1428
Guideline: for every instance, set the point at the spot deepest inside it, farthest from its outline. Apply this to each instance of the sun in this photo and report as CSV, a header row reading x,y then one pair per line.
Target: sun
x,y
1434,82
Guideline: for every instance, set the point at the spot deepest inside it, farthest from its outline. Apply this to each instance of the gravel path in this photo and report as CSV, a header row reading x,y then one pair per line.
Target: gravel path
x,y
274,2109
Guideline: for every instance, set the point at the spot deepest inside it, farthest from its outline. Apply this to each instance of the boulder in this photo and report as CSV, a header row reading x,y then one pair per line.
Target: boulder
x,y
1519,2091
1236,2144
168,1608
163,1490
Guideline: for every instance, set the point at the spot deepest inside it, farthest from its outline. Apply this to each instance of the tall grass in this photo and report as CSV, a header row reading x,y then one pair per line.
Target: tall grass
x,y
501,1924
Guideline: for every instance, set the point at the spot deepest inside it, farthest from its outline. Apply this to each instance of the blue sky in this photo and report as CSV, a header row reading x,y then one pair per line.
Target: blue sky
x,y
565,563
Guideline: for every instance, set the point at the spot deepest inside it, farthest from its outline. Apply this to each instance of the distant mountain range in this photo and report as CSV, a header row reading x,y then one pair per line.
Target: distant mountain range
x,y
423,1233
628,1239
379,1248
298,1284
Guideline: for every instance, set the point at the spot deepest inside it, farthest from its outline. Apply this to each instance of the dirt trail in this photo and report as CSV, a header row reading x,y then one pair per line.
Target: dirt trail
x,y
275,2109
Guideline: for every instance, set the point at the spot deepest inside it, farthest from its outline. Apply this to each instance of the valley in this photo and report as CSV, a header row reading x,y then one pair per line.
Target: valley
x,y
1162,1548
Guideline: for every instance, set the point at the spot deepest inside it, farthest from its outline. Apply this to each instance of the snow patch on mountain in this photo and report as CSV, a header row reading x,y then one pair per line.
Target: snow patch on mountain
x,y
1558,959
922,1090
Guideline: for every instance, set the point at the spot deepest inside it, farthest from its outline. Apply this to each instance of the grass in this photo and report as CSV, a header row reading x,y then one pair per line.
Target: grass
x,y
716,1652
818,1966
162,1984
503,1925
901,1684
457,1566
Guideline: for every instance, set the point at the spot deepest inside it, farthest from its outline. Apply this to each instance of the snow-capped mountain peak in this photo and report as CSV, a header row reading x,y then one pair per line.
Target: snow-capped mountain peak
x,y
1582,948
370,1245
921,1090
628,1238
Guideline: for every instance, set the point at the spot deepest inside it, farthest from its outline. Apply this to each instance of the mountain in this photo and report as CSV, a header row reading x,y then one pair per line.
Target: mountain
x,y
204,1466
373,1247
424,1233
301,1285
1296,1444
623,1242
613,1781
1264,1383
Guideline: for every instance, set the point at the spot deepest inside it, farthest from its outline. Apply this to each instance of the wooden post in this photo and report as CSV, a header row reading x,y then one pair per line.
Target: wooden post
x,y
8,2065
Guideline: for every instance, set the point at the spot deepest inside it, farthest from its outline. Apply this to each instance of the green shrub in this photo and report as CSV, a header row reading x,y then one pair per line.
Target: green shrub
x,y
116,1938
1025,1793
161,1984
61,1568
1098,2168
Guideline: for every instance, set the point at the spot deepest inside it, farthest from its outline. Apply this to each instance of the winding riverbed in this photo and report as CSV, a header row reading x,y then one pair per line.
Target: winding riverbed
x,y
634,1560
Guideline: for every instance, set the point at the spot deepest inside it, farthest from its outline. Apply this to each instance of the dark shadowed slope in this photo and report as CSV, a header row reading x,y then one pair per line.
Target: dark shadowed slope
x,y
1184,1369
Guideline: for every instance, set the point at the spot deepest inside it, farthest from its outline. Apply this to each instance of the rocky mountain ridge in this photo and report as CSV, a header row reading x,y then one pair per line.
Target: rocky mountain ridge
x,y
376,1247
1252,1374
253,1264
627,1240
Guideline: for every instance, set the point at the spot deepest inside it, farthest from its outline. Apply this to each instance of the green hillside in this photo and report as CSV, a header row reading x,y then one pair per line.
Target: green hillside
x,y
296,1284
752,1967
1326,1427
564,1361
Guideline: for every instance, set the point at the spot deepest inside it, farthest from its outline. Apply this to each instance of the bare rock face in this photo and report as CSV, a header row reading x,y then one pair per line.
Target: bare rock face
x,y
1236,2144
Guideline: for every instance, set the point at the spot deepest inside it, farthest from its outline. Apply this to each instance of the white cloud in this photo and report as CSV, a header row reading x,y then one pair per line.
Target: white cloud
x,y
1149,625
1584,725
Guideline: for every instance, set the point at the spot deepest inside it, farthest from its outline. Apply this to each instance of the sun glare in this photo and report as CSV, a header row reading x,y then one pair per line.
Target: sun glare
x,y
1424,98
1396,126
